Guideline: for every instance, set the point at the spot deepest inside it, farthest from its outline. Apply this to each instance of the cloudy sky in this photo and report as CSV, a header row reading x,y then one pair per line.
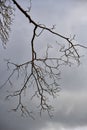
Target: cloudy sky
x,y
70,17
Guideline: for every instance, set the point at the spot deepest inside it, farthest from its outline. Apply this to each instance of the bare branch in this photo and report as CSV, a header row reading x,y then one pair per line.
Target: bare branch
x,y
6,12
41,74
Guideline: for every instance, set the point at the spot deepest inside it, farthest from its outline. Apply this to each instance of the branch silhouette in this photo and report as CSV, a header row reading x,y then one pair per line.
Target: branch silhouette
x,y
42,74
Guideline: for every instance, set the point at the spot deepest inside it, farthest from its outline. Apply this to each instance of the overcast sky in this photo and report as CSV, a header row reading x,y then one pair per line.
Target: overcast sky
x,y
70,17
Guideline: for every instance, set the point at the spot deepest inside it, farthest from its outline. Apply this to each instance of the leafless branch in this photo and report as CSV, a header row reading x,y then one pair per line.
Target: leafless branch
x,y
6,12
45,72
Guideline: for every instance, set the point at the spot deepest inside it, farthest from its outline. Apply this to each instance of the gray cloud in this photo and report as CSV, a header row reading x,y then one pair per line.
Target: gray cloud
x,y
71,106
72,109
70,112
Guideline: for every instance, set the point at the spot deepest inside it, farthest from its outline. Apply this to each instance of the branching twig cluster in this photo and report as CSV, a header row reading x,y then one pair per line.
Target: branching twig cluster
x,y
44,73
6,12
